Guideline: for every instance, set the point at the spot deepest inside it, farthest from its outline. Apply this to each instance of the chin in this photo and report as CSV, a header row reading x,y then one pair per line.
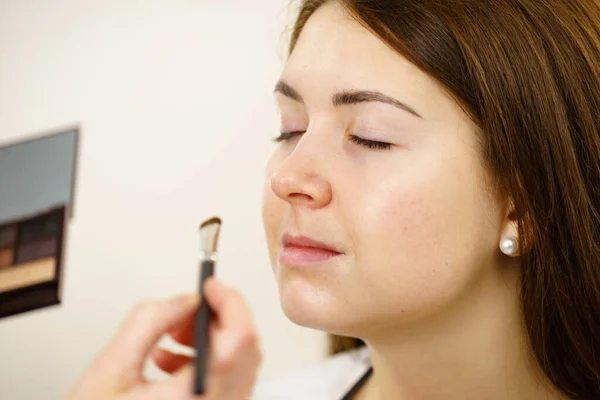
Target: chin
x,y
312,307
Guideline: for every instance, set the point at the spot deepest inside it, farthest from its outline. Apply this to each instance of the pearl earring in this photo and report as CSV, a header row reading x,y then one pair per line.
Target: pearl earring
x,y
509,246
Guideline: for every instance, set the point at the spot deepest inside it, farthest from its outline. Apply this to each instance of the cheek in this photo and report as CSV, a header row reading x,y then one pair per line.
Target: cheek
x,y
417,238
399,225
398,209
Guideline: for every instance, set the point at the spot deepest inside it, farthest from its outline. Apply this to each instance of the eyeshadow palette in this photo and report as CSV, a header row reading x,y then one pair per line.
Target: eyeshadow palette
x,y
37,184
30,260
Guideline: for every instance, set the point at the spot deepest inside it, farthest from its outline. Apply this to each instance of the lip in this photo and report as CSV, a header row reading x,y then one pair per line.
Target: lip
x,y
303,250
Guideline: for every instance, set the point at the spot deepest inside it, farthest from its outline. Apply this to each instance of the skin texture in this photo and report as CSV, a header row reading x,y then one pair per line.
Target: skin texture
x,y
418,224
421,279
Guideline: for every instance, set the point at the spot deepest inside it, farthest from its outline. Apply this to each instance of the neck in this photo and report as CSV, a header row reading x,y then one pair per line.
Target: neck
x,y
476,350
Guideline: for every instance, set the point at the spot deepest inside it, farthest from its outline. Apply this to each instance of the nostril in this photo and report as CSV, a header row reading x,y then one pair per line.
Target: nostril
x,y
300,196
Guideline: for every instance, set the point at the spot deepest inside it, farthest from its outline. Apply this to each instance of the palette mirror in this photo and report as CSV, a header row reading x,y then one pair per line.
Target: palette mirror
x,y
37,181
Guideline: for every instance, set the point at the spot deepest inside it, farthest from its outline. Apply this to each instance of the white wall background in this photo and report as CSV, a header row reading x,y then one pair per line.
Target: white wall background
x,y
175,105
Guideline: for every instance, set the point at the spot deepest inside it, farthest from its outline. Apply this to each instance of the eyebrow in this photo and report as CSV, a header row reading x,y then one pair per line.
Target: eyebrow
x,y
348,97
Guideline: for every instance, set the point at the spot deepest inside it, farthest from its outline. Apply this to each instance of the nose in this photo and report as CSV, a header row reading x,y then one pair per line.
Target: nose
x,y
298,181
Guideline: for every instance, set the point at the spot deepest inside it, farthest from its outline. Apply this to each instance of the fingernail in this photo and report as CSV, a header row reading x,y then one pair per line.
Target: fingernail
x,y
187,299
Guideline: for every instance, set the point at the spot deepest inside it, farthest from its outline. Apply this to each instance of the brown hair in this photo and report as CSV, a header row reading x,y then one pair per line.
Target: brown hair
x,y
528,74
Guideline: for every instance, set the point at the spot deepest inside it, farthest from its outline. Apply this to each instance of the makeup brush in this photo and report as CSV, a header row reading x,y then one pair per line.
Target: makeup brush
x,y
209,236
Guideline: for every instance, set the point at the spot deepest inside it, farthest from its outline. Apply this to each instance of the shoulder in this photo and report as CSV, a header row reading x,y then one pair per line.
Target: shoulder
x,y
328,380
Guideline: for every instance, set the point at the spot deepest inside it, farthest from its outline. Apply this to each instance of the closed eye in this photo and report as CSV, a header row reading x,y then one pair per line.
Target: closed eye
x,y
371,144
285,136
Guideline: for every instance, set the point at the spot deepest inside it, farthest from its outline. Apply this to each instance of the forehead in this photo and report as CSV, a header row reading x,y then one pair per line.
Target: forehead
x,y
333,34
335,52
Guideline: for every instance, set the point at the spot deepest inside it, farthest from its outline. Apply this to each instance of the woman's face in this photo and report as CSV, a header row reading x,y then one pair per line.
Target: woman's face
x,y
385,171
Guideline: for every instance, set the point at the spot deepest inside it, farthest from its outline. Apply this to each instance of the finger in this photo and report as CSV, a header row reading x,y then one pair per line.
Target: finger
x,y
235,328
169,362
184,333
232,366
145,325
235,354
179,387
235,382
229,306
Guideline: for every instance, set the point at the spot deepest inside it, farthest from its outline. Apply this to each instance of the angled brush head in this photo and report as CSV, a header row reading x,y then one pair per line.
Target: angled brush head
x,y
209,235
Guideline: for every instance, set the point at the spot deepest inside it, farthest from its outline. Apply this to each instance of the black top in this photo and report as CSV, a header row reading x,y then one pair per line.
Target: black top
x,y
358,385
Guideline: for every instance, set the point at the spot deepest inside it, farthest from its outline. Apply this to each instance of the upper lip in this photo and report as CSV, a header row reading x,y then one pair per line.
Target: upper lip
x,y
305,241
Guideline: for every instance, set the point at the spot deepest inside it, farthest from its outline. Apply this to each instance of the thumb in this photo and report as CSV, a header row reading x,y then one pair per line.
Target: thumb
x,y
145,326
179,386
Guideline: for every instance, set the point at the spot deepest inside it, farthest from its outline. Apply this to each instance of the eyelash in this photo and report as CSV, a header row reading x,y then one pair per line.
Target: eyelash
x,y
371,144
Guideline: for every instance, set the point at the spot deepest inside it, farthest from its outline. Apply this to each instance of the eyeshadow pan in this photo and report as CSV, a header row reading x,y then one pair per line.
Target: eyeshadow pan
x,y
8,235
38,228
32,273
36,249
6,257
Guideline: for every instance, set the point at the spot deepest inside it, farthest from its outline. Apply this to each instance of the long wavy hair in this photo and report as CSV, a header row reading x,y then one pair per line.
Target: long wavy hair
x,y
527,72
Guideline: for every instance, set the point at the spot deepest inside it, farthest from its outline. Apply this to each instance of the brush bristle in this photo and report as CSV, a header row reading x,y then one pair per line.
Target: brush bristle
x,y
209,235
211,221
